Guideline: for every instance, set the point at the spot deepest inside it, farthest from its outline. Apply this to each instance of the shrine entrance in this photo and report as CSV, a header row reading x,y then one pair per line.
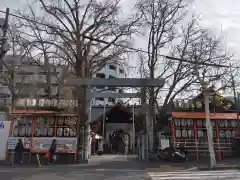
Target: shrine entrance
x,y
116,126
122,83
117,142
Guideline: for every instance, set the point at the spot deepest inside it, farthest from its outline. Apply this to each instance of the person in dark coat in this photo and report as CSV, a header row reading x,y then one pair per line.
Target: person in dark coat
x,y
116,141
19,152
52,151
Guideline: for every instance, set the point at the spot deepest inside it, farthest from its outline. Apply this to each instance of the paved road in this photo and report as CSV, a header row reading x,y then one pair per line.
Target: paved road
x,y
100,168
109,167
75,174
203,175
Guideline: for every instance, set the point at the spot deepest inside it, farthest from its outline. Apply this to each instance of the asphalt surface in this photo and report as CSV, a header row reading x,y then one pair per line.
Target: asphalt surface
x,y
100,168
109,167
191,175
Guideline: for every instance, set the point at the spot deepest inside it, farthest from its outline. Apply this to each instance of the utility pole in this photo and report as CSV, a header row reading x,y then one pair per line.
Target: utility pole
x,y
133,128
235,97
104,119
206,94
206,90
3,39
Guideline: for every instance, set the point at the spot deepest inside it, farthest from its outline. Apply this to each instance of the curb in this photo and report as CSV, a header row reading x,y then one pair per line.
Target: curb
x,y
218,168
192,169
165,168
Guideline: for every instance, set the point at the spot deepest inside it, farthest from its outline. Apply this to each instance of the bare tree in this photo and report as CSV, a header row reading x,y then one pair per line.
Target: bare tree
x,y
193,47
13,73
41,52
209,49
160,18
87,32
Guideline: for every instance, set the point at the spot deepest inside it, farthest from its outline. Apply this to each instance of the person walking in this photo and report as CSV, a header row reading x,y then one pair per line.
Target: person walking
x,y
126,142
52,151
100,147
19,152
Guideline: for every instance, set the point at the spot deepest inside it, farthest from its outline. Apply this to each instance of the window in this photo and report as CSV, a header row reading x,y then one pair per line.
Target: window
x,y
112,89
112,77
100,75
99,99
112,67
42,73
112,100
100,87
120,90
121,71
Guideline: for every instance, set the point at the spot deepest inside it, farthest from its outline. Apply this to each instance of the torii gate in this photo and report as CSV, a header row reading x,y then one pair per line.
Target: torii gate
x,y
120,82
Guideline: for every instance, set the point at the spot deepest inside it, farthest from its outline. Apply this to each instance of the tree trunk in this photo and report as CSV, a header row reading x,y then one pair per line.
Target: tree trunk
x,y
81,110
152,132
13,105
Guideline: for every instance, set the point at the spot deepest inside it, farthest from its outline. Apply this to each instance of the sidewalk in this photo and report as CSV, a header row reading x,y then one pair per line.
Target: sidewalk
x,y
132,163
233,163
163,166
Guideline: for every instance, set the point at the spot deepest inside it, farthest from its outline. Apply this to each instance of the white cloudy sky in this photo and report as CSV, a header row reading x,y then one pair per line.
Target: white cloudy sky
x,y
221,15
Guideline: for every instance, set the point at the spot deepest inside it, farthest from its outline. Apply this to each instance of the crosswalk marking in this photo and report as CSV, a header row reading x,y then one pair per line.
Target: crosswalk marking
x,y
194,175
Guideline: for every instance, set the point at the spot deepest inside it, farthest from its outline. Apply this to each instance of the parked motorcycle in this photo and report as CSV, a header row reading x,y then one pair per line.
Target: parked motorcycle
x,y
178,154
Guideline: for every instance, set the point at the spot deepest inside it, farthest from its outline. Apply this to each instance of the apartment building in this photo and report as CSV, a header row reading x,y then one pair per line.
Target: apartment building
x,y
25,70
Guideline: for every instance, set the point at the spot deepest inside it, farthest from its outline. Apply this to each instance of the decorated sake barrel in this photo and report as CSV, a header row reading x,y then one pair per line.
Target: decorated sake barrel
x,y
183,122
50,131
222,134
177,122
200,133
221,123
184,133
190,133
233,133
233,123
190,122
60,121
44,131
67,121
213,123
28,130
74,121
214,134
59,131
226,123
37,131
51,121
228,134
72,132
178,133
199,123
66,132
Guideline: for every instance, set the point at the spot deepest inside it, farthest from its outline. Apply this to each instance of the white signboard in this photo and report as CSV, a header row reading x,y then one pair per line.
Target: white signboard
x,y
12,141
64,145
4,133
